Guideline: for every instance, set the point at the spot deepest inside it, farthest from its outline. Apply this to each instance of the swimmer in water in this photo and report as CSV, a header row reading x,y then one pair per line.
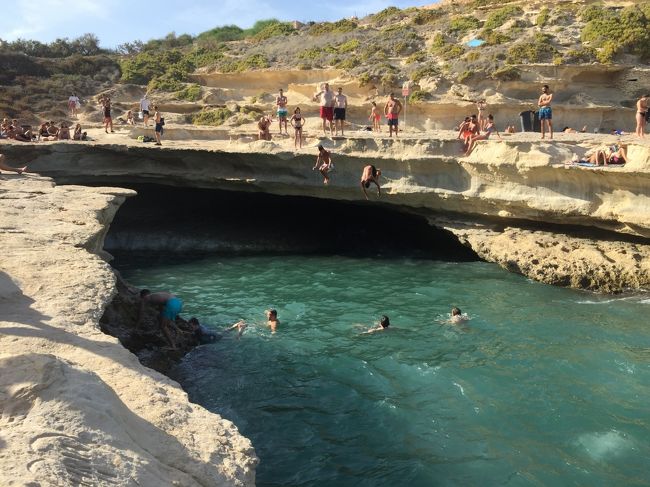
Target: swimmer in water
x,y
384,323
272,319
240,326
457,316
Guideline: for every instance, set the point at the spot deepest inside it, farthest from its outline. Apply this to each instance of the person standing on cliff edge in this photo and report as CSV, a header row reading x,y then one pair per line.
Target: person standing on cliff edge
x,y
545,111
281,103
171,307
326,97
392,110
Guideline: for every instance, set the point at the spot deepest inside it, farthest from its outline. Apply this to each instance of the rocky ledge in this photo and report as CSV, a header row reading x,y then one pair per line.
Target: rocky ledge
x,y
77,407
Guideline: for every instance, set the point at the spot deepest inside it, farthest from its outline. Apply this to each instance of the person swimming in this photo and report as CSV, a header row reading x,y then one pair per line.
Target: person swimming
x,y
272,319
384,323
457,316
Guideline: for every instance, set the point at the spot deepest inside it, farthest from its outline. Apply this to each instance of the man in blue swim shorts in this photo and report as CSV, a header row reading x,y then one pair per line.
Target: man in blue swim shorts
x,y
545,111
281,102
171,306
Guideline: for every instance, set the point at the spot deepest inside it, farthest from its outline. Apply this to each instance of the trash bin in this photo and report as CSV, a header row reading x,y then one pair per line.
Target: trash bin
x,y
527,120
530,121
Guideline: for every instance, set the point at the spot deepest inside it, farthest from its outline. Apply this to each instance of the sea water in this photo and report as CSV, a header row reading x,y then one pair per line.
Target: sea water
x,y
543,386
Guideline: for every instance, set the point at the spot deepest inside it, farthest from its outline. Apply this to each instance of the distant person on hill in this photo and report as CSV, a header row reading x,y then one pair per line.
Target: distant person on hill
x,y
369,175
108,120
490,127
297,123
340,106
326,97
324,163
171,307
272,319
264,127
383,325
160,123
481,106
375,118
281,103
73,105
5,167
392,110
545,111
144,108
641,115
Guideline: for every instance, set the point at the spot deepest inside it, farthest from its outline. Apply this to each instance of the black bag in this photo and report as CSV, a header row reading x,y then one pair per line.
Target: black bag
x,y
647,115
162,121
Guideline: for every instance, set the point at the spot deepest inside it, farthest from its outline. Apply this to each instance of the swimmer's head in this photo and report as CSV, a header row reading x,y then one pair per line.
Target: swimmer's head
x,y
271,314
384,322
144,293
456,311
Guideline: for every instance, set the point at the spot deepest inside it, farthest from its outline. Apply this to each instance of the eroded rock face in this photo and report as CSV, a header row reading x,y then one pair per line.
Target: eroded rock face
x,y
77,407
607,266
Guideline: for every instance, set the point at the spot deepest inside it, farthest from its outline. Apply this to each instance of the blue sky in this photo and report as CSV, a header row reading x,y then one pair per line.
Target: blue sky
x,y
118,21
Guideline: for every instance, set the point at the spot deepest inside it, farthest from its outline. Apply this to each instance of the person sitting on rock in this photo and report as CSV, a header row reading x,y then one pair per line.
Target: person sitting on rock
x,y
64,132
489,128
264,125
52,130
171,307
78,134
5,167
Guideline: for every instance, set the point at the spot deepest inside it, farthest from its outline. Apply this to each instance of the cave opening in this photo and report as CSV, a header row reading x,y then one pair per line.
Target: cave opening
x,y
195,222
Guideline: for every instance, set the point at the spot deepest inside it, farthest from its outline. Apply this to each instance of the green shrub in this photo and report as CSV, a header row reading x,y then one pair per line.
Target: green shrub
x,y
274,30
427,71
542,18
251,62
538,50
445,50
418,96
165,83
340,27
494,38
463,24
349,46
426,16
465,76
311,54
499,17
201,57
627,30
349,62
507,73
581,55
364,80
388,14
416,57
473,56
389,80
212,117
608,52
190,93
593,12
223,34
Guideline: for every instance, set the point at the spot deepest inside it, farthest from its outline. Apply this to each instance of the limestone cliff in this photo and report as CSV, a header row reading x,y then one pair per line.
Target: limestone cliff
x,y
77,407
519,183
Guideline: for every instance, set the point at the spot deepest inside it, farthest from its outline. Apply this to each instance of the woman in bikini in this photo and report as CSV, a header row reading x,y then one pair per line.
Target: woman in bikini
x,y
481,106
375,118
297,122
489,128
641,111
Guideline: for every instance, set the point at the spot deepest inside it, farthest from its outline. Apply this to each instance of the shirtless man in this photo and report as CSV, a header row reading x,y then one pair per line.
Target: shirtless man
x,y
281,103
272,319
370,175
144,108
392,110
324,163
326,97
5,167
545,111
171,306
340,104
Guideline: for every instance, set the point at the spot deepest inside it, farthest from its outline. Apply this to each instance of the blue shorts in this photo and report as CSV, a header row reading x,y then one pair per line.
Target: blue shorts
x,y
282,112
172,308
545,113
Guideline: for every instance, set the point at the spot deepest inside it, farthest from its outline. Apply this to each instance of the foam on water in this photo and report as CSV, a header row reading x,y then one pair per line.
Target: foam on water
x,y
603,446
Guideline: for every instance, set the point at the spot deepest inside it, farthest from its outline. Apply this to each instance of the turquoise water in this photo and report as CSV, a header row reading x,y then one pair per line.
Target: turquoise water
x,y
544,386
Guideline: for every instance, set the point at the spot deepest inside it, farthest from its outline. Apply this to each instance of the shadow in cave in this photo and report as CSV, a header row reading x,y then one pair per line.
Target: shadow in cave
x,y
202,221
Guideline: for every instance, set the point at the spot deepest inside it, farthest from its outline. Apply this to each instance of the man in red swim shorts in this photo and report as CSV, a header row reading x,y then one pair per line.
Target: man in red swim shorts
x,y
326,97
392,110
